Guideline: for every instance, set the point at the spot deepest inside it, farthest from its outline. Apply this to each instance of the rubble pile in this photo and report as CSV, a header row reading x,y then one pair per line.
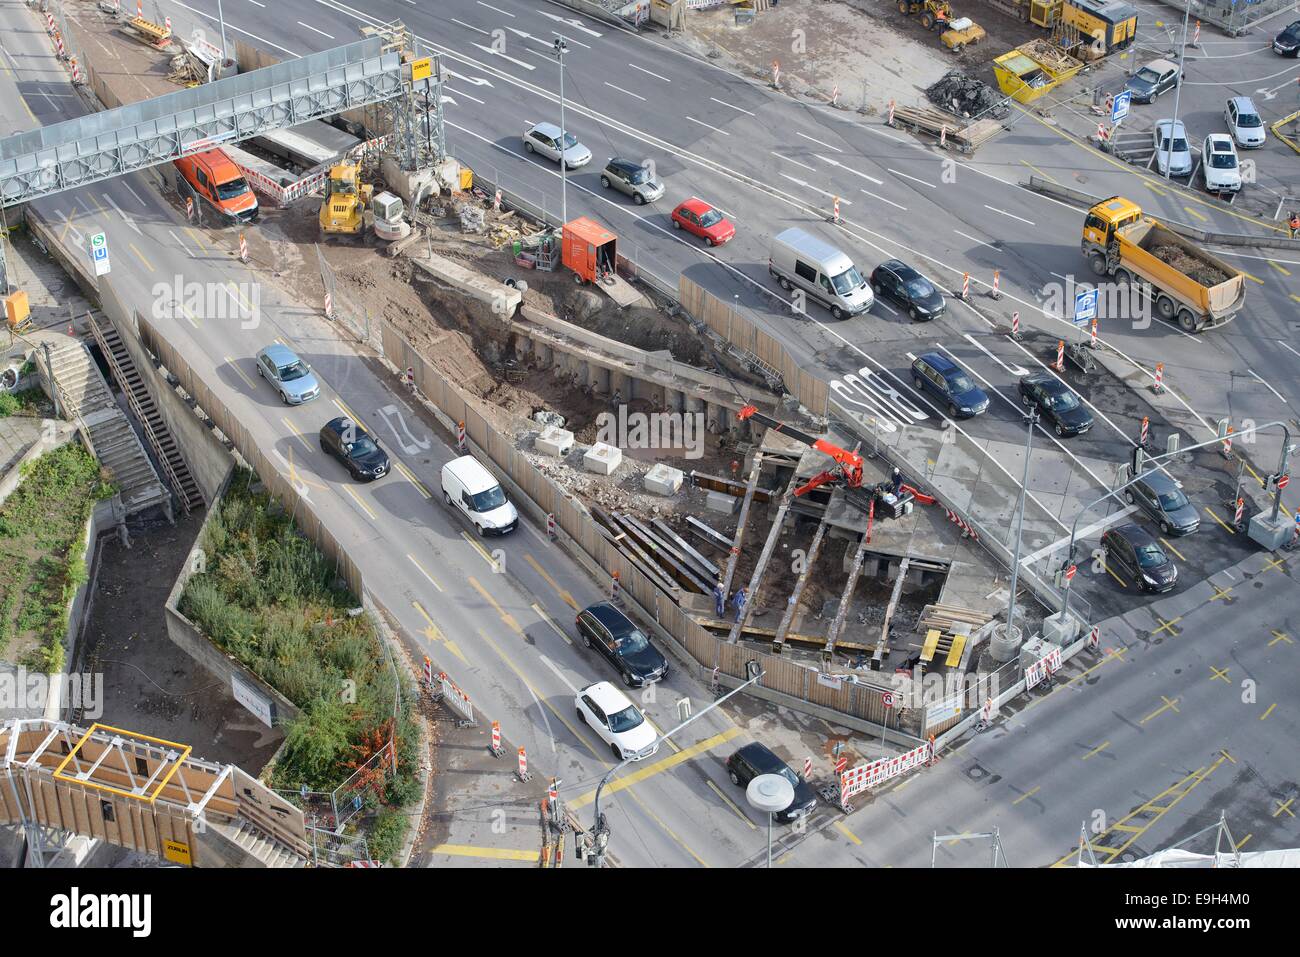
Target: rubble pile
x,y
1189,265
966,96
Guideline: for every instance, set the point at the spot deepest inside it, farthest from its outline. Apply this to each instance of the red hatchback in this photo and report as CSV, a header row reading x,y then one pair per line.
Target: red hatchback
x,y
698,217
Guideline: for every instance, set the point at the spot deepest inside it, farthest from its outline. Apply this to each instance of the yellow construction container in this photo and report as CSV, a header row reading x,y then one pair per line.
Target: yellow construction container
x,y
1032,69
1112,24
17,311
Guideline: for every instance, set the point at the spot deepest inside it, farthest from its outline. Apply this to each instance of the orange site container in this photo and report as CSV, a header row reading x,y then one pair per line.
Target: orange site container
x,y
589,249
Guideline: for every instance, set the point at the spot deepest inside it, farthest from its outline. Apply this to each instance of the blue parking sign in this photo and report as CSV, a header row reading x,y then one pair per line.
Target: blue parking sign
x,y
1085,306
1120,105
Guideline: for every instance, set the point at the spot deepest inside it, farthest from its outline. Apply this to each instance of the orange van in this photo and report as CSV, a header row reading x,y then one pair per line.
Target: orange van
x,y
218,180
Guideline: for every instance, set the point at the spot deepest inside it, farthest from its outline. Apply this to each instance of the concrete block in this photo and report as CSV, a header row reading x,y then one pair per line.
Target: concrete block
x,y
1060,630
602,459
554,440
721,502
664,480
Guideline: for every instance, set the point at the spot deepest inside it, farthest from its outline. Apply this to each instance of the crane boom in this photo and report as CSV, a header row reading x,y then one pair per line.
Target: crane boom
x,y
850,463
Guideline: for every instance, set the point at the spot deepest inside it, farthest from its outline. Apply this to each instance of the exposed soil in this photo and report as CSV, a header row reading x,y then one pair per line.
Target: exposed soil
x,y
1189,265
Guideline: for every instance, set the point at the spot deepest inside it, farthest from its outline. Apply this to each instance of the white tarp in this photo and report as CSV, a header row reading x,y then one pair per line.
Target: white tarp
x,y
1176,857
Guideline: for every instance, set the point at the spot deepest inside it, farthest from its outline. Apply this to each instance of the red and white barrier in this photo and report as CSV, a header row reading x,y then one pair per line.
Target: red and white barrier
x,y
1093,343
76,71
58,45
1159,385
1240,511
167,24
615,589
776,73
496,739
522,770
835,209
189,208
965,286
1015,325
1094,637
243,249
1103,134
807,769
1060,355
1044,667
996,293
329,306
1146,431
139,8
553,791
986,713
890,120
460,436
550,525
49,22
496,201
1196,35
966,530
1227,444
841,763
943,137
858,779
428,672
835,94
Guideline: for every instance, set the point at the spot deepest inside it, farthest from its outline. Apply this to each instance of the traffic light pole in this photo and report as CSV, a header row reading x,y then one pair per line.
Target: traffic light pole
x,y
600,830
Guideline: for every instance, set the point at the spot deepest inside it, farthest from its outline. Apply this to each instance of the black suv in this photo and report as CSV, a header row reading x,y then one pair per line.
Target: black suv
x,y
613,634
1134,550
354,447
1055,402
1287,43
900,282
755,759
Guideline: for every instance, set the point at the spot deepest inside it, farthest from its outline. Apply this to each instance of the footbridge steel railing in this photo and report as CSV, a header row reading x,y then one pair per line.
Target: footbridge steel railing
x,y
100,146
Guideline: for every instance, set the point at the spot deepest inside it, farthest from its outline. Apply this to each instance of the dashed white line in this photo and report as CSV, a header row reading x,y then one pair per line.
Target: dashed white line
x,y
466,95
125,218
714,128
1265,384
794,161
889,136
912,178
838,164
256,4
1288,348
327,36
882,199
808,185
732,105
526,66
1012,215
977,241
818,142
497,9
585,46
621,90
470,26
181,244
558,673
127,187
650,72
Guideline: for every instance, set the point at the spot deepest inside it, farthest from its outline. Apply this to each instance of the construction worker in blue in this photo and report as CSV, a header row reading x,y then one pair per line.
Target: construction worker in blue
x,y
720,597
738,602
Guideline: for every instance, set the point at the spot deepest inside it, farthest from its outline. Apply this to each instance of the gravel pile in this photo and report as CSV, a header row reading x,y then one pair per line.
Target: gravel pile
x,y
967,96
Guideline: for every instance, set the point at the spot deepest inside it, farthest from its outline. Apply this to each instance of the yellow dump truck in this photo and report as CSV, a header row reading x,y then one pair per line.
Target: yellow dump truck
x,y
1185,283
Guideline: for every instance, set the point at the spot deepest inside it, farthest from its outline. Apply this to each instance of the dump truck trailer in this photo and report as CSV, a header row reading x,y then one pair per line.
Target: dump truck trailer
x,y
1185,283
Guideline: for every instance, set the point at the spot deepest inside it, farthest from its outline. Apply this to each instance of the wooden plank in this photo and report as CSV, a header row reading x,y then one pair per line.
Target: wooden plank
x,y
787,617
773,535
931,643
854,571
954,653
745,503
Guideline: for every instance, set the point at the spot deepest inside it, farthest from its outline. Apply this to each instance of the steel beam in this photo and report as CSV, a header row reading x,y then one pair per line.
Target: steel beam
x,y
793,604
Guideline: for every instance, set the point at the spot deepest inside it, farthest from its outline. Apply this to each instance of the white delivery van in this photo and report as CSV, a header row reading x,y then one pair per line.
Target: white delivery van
x,y
799,259
472,489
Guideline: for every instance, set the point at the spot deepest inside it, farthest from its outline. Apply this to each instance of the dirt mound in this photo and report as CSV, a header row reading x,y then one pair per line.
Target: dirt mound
x,y
1189,265
967,96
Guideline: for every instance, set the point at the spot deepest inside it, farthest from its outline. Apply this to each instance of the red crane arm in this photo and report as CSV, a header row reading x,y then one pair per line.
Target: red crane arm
x,y
850,462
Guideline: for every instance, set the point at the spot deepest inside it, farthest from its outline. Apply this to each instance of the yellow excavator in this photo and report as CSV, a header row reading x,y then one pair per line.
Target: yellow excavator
x,y
343,211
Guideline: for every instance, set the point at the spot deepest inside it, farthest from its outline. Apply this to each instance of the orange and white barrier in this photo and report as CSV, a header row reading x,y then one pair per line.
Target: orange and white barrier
x,y
1196,36
189,208
858,779
966,530
1227,444
986,712
807,769
965,285
1146,431
1159,385
835,209
835,94
1094,637
943,137
1094,334
58,44
460,436
496,201
329,306
1241,510
996,292
522,770
139,8
890,120
615,589
550,525
1044,667
243,249
776,73
1060,355
1015,325
428,672
76,71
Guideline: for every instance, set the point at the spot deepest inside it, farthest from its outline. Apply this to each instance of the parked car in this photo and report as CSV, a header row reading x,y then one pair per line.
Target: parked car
x,y
288,375
900,282
471,489
617,722
352,445
609,631
1056,403
632,178
1219,164
755,759
1164,502
700,219
544,138
1158,76
1134,550
936,374
1287,43
822,271
1174,158
1244,122
216,179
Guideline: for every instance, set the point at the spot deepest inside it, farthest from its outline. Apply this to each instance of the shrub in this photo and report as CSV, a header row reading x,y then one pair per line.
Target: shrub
x,y
386,835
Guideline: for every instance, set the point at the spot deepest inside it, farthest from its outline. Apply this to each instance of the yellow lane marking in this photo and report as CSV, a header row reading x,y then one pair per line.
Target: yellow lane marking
x,y
94,202
1116,654
1242,842
239,372
640,774
541,613
1264,716
1122,582
1168,625
1224,752
1155,189
1219,592
544,700
410,477
1280,268
1027,794
1097,750
185,310
196,237
432,580
667,830
490,853
140,256
1280,636
239,295
731,804
434,633
296,478
1192,212
1252,278
349,413
357,498
839,826
1295,297
293,430
1167,706
1174,550
568,599
1217,674
1215,516
1040,172
1285,806
506,617
1275,563
483,552
676,748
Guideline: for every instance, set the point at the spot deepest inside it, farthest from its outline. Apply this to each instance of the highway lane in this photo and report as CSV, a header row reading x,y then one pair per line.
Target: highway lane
x,y
501,623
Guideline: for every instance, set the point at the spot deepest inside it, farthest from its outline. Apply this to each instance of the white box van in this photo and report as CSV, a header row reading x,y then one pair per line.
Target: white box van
x,y
469,487
828,276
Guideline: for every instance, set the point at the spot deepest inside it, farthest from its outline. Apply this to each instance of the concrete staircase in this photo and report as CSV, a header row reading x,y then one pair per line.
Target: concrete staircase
x,y
259,849
86,399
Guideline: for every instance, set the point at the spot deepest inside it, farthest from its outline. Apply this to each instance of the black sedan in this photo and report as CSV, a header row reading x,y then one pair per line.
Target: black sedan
x,y
1287,43
609,631
904,285
352,445
1132,550
1056,403
755,759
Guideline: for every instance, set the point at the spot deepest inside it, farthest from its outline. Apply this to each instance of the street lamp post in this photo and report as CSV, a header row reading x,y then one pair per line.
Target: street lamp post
x,y
771,793
599,826
1178,89
561,48
1031,420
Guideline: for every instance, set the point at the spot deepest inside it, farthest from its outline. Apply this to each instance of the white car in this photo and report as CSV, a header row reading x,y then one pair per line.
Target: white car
x,y
1244,123
1219,163
609,713
544,138
1175,159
